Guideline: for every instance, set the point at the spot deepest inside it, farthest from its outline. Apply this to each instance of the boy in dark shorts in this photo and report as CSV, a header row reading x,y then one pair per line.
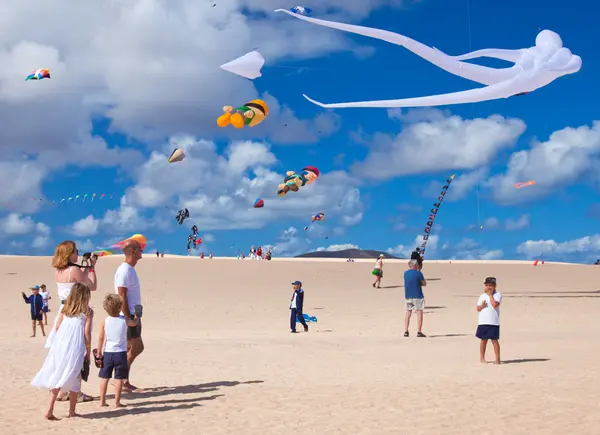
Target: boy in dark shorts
x,y
488,307
37,302
112,348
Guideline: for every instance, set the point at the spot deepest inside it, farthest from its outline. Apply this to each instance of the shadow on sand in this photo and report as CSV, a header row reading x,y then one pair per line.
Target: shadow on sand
x,y
449,335
168,404
524,360
391,286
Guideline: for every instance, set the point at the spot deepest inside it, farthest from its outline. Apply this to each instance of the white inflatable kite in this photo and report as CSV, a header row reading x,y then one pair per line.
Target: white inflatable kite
x,y
248,65
533,68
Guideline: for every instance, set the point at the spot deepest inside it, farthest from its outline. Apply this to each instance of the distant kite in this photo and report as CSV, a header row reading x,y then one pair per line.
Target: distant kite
x,y
177,155
294,181
524,184
259,203
247,66
39,74
301,10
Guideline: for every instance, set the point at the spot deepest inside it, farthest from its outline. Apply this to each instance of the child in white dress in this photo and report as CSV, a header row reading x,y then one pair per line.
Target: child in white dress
x,y
63,364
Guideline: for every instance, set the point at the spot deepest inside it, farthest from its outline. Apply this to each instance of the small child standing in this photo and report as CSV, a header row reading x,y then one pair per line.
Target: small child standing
x,y
488,307
63,364
112,348
45,297
296,307
37,302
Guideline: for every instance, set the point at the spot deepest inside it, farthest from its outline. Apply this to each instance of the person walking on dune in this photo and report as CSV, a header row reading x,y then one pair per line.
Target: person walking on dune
x,y
127,285
297,307
414,281
378,271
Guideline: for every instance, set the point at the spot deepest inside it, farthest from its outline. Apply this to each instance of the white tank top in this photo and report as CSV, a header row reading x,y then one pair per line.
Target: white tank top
x,y
64,288
115,334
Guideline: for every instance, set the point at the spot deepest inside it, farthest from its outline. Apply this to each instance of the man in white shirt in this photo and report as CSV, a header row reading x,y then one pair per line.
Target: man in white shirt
x,y
127,285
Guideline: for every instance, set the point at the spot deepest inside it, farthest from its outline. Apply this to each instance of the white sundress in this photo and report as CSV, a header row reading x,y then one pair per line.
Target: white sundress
x,y
64,288
64,361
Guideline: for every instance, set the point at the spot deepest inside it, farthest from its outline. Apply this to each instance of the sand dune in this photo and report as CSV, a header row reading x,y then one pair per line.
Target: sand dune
x,y
220,359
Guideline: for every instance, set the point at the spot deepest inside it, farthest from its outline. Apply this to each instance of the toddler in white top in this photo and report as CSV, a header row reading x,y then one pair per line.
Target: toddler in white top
x,y
112,348
488,307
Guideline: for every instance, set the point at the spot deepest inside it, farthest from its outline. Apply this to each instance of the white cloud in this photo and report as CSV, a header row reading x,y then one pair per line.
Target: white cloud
x,y
437,142
16,225
569,156
333,248
465,249
291,243
493,223
85,246
219,190
524,221
209,238
87,226
584,247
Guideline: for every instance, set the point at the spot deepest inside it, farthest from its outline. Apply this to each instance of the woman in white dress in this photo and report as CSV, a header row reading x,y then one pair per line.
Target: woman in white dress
x,y
67,274
62,367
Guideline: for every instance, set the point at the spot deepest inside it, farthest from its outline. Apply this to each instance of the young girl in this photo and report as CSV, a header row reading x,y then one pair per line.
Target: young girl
x,y
112,348
63,364
378,271
488,307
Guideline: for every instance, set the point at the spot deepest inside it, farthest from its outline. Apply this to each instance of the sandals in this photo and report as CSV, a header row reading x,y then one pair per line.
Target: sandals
x,y
406,334
84,398
97,359
420,334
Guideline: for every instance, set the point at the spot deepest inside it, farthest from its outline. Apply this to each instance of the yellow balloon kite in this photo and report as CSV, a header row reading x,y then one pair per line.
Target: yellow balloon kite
x,y
250,114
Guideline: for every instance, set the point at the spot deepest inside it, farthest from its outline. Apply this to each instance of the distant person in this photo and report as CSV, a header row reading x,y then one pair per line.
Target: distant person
x,y
378,271
268,255
65,360
36,302
46,298
297,307
127,285
259,253
488,307
210,256
111,354
416,255
414,281
162,254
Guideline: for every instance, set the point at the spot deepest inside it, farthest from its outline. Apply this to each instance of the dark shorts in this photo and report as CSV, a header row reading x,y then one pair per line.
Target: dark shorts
x,y
37,317
488,332
134,331
45,309
116,361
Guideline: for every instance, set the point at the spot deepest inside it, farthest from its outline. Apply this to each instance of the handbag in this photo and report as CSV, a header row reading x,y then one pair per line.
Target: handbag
x,y
85,370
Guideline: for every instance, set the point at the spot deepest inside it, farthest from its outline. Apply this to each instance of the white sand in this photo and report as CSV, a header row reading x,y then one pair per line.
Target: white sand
x,y
219,357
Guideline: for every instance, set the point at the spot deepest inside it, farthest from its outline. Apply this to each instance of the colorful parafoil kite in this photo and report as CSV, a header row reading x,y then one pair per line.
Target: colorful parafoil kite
x,y
318,217
247,66
526,183
533,67
301,10
39,74
294,181
250,114
177,155
117,248
259,203
182,215
433,213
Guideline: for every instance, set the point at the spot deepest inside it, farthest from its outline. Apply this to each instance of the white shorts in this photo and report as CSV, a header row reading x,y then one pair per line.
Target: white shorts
x,y
415,304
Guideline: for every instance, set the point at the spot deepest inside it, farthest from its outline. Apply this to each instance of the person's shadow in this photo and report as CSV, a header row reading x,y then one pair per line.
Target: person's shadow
x,y
168,404
524,360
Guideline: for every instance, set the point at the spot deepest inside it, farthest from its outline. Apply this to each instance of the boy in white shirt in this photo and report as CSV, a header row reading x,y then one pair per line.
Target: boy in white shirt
x,y
112,348
45,297
488,307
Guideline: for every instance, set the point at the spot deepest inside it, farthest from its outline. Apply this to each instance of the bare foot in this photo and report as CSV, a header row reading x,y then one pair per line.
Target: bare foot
x,y
73,415
496,362
103,405
120,405
32,336
50,417
483,361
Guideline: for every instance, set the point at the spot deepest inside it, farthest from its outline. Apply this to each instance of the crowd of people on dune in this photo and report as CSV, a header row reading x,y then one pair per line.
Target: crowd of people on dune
x,y
256,254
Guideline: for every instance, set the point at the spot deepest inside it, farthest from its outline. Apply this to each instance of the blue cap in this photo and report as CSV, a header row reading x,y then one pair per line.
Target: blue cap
x,y
35,287
297,283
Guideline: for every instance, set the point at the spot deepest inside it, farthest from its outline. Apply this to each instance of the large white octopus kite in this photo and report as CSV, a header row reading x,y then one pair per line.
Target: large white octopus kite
x,y
533,68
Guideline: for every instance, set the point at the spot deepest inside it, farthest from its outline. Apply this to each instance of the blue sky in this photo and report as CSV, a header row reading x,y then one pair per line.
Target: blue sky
x,y
119,101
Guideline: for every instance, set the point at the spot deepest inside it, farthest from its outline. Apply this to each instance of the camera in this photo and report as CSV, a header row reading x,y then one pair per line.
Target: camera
x,y
87,255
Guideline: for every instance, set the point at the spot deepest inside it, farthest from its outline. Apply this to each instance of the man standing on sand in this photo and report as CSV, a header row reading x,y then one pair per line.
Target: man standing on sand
x,y
127,285
416,255
414,281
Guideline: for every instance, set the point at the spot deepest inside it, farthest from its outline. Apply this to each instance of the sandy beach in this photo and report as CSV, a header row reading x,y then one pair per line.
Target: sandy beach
x,y
220,359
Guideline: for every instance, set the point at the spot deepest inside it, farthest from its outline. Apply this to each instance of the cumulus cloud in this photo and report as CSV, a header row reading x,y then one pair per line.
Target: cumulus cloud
x,y
586,247
219,189
87,226
16,225
435,142
570,155
493,223
333,248
465,249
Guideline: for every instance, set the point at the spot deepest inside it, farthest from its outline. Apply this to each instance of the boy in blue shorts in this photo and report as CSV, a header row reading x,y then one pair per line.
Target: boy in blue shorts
x,y
488,307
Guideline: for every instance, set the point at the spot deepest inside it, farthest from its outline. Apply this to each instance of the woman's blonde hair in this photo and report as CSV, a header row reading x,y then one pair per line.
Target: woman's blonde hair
x,y
62,253
112,304
78,301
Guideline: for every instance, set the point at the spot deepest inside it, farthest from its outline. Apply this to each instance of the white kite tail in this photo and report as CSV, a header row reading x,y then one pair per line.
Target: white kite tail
x,y
477,73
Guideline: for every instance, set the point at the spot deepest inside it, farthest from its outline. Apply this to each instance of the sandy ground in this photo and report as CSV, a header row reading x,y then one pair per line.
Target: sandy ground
x,y
220,359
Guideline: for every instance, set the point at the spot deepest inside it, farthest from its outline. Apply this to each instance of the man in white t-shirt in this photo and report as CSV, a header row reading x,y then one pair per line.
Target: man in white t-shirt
x,y
127,285
488,307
